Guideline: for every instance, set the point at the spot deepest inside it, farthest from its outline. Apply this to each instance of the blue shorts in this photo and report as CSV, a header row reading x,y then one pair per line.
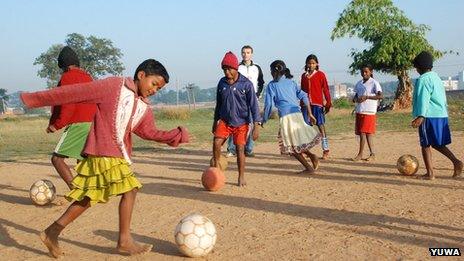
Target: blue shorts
x,y
434,132
318,113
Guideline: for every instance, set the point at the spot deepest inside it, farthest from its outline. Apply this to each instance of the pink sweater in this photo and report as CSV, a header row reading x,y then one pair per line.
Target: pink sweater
x,y
120,111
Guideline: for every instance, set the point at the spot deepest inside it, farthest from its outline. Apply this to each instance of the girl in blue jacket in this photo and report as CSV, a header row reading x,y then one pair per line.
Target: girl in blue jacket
x,y
295,136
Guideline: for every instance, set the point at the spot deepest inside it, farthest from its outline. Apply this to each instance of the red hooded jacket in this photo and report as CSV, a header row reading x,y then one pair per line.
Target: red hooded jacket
x,y
66,114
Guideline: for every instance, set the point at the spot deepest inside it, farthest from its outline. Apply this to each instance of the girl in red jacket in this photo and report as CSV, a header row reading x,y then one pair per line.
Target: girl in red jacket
x,y
122,108
314,83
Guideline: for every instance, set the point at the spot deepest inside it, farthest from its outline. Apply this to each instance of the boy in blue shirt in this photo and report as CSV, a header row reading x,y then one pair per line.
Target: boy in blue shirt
x,y
235,100
431,115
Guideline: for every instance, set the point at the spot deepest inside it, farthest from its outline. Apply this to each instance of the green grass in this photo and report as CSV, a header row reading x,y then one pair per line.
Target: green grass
x,y
25,137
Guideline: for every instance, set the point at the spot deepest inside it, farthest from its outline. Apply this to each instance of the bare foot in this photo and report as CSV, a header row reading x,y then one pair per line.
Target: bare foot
x,y
371,157
133,248
51,242
314,161
458,169
325,155
241,182
426,177
357,158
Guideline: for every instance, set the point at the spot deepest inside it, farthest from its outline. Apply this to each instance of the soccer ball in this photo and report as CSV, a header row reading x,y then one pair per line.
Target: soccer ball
x,y
42,192
407,165
195,235
213,179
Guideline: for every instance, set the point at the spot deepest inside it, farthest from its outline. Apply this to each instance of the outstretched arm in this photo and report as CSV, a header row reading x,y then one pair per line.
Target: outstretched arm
x,y
147,130
89,92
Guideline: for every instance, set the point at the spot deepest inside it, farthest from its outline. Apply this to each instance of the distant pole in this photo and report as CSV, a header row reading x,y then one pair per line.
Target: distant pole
x,y
177,92
188,94
193,96
2,104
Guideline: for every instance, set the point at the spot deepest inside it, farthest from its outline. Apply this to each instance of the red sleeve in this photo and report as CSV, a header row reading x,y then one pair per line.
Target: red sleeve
x,y
55,110
66,111
89,92
146,129
305,88
325,90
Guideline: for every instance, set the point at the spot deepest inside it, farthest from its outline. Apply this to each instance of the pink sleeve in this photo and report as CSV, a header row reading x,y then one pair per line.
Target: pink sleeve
x,y
89,92
146,129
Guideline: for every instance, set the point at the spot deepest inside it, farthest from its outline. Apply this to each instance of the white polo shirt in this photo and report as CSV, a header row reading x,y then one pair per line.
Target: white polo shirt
x,y
369,88
251,72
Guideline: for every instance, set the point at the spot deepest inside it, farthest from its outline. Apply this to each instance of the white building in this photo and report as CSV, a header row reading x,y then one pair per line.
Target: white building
x,y
461,80
450,84
338,90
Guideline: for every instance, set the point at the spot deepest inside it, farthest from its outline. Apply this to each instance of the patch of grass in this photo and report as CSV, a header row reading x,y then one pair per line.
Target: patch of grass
x,y
174,114
342,103
25,137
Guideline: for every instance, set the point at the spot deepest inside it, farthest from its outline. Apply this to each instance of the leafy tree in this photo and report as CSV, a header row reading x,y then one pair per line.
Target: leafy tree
x,y
3,97
97,56
395,41
3,94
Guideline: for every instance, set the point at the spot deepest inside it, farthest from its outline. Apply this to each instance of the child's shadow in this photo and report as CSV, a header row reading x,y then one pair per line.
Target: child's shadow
x,y
159,246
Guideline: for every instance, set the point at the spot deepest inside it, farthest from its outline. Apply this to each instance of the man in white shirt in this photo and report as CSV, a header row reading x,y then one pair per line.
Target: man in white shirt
x,y
254,73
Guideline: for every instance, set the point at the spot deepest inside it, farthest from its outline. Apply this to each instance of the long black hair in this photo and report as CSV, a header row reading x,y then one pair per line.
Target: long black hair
x,y
278,67
311,57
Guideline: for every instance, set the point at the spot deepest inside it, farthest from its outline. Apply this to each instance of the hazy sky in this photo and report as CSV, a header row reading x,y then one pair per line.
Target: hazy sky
x,y
190,37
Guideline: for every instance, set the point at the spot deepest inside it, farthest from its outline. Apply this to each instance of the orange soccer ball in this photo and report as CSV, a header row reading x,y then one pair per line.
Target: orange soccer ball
x,y
213,179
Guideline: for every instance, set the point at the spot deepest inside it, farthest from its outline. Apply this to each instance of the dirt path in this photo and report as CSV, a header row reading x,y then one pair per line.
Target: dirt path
x,y
349,210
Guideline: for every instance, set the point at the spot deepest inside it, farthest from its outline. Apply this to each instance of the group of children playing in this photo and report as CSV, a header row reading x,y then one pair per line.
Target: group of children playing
x,y
101,115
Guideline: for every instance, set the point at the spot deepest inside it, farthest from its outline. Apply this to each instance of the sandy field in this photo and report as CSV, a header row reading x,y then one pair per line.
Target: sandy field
x,y
349,210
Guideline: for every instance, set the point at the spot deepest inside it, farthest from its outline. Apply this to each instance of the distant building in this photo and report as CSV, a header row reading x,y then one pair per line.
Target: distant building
x,y
350,92
338,90
461,80
450,84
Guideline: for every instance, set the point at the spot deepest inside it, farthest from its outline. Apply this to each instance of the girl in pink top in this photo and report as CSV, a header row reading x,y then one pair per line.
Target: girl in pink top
x,y
122,108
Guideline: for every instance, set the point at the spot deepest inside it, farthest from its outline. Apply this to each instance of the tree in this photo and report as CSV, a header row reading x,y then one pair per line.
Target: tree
x,y
3,94
97,56
395,41
3,98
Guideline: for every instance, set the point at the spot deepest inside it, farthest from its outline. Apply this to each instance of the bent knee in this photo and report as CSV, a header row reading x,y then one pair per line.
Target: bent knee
x,y
55,159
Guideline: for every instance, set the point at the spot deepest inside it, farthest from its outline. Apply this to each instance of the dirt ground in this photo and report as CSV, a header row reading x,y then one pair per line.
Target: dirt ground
x,y
347,211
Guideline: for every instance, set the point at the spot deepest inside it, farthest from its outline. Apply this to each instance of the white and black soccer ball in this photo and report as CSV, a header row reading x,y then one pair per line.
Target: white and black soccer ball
x,y
195,235
42,192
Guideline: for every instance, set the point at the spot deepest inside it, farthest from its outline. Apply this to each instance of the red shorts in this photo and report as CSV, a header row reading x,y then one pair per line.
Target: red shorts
x,y
365,123
239,133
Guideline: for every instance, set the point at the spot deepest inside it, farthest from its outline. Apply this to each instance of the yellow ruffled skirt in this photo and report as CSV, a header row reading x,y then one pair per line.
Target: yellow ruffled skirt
x,y
101,177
